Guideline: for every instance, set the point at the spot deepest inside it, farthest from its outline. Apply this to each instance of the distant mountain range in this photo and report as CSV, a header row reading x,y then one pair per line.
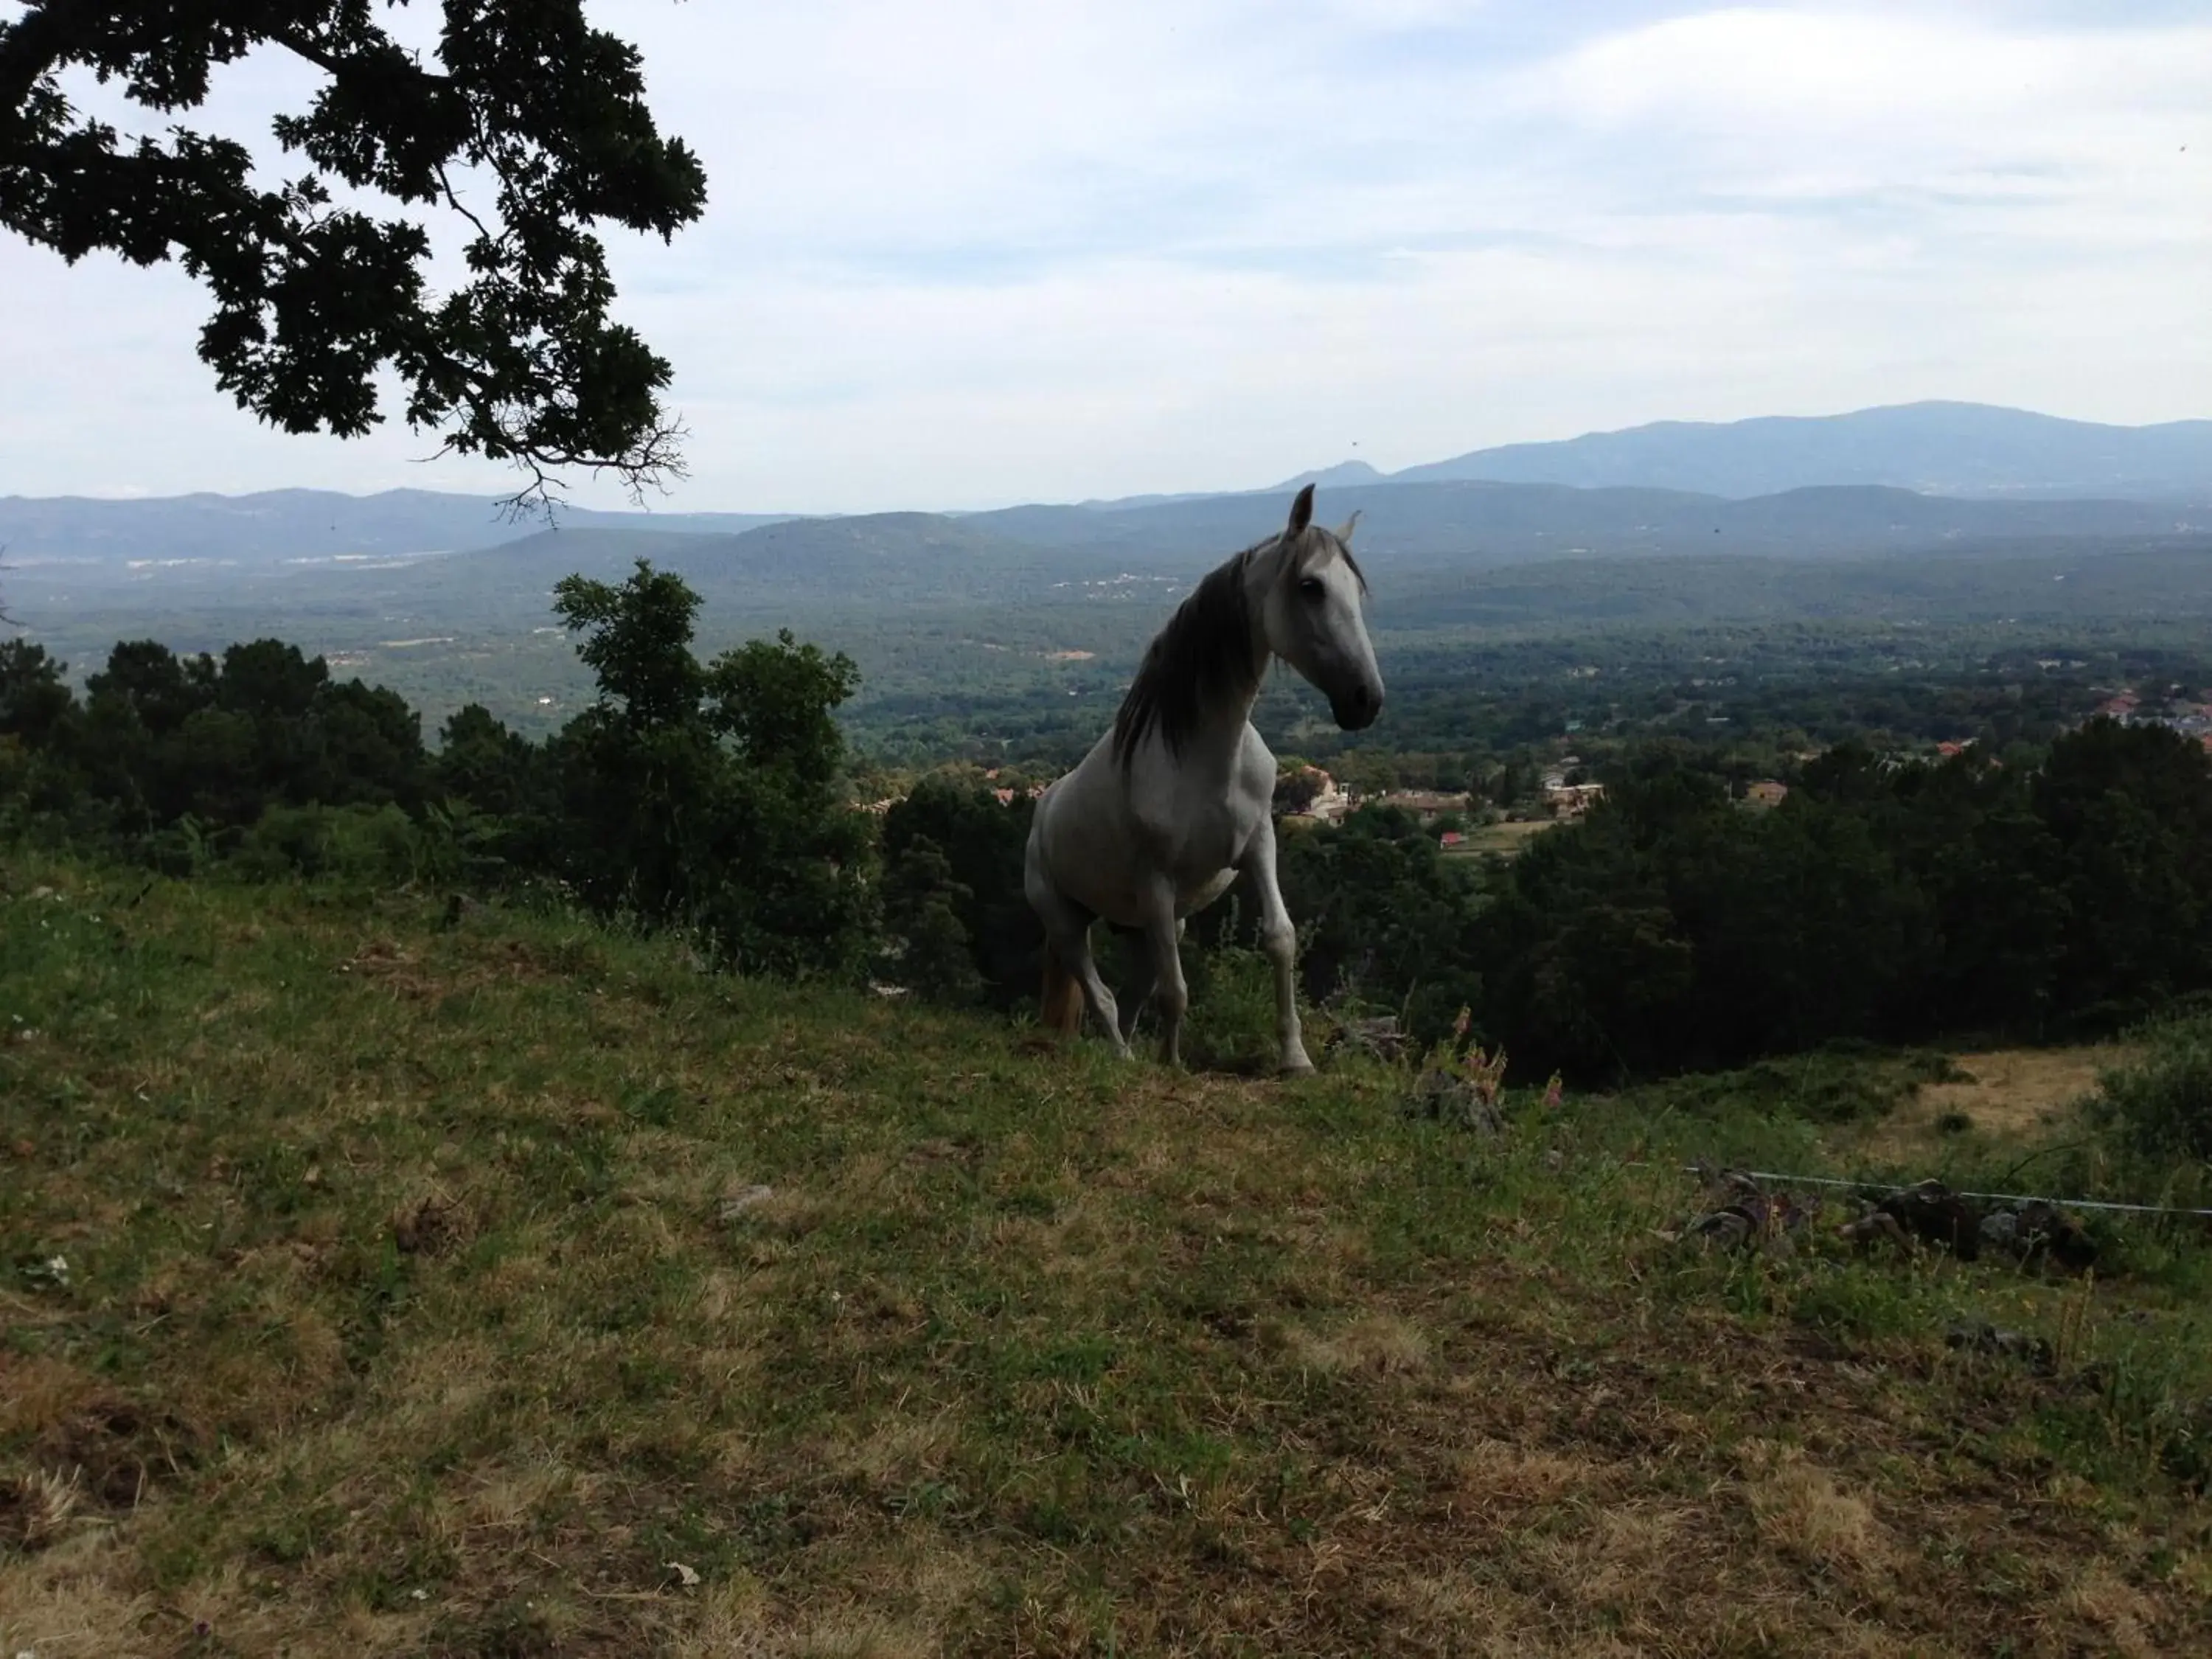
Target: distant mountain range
x,y
206,542
1038,554
300,524
1777,488
442,598
1934,448
1475,524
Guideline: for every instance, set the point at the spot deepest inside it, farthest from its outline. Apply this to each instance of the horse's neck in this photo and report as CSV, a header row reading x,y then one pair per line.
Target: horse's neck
x,y
1219,736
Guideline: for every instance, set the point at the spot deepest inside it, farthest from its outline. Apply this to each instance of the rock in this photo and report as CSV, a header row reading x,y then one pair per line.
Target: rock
x,y
2045,1232
1934,1213
1730,1230
1767,1220
1379,1038
2038,1233
1979,1336
1439,1095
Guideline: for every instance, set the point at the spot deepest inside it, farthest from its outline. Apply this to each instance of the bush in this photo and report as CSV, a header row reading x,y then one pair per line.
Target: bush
x,y
935,954
952,858
1841,1082
1230,1026
2160,1107
361,845
708,796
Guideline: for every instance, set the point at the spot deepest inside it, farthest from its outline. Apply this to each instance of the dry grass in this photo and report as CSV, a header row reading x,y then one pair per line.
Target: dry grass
x,y
2006,1094
1378,1344
518,1291
1802,1511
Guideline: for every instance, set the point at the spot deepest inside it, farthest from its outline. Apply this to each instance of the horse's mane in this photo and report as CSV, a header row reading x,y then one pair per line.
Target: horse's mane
x,y
1205,651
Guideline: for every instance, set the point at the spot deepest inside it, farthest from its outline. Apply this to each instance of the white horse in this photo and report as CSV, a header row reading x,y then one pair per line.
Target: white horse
x,y
1176,801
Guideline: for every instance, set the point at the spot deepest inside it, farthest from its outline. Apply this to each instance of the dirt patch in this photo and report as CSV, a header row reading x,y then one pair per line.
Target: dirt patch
x,y
474,965
112,1449
382,963
2016,1094
431,1225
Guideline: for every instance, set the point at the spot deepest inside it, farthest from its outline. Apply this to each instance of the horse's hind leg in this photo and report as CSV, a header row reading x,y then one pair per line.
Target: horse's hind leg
x,y
1067,927
1075,951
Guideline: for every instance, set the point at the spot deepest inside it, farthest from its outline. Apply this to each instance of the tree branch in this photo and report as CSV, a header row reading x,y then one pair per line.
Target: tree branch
x,y
523,365
300,46
31,45
339,67
454,202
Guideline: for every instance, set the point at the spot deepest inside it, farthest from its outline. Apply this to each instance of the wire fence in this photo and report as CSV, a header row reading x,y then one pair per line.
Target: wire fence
x,y
1992,1198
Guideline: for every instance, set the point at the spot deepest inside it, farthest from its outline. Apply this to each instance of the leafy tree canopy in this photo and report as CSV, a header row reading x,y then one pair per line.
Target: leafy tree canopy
x,y
637,640
527,124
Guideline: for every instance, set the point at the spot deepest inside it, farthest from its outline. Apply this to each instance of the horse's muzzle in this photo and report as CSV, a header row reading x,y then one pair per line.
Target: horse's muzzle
x,y
1355,711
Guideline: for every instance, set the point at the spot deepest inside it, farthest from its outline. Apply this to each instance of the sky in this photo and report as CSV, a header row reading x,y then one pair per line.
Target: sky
x,y
961,254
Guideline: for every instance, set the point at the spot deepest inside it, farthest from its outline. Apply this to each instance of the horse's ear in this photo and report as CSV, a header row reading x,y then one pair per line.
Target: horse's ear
x,y
1350,525
1301,514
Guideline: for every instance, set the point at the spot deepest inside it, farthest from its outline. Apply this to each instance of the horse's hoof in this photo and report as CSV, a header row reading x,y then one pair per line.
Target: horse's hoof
x,y
1299,1067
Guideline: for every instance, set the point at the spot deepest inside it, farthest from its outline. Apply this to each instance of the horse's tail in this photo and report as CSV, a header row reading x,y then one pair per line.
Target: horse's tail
x,y
1063,995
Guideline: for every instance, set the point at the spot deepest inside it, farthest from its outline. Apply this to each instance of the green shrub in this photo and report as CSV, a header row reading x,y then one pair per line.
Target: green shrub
x,y
2159,1108
360,845
1230,1023
952,857
1841,1082
934,954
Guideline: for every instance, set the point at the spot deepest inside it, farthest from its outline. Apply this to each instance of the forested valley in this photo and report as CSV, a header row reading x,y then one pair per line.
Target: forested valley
x,y
1964,848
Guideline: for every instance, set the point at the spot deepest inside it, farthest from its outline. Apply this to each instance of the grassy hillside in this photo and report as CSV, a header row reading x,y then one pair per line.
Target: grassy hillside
x,y
383,1282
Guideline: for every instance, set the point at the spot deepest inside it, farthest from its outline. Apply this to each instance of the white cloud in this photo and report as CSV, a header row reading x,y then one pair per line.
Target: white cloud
x,y
1909,71
970,253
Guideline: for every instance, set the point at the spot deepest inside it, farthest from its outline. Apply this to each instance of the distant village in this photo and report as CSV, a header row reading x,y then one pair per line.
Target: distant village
x,y
1327,801
1310,795
2191,716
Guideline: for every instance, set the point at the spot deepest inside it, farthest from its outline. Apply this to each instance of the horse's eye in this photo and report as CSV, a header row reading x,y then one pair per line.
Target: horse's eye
x,y
1311,588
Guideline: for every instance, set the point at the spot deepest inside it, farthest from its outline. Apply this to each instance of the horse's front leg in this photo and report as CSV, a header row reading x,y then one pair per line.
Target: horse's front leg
x,y
1142,972
1170,995
1279,940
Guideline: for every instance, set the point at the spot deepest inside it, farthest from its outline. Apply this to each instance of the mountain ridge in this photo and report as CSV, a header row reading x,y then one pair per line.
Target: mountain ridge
x,y
1935,447
1685,468
277,525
